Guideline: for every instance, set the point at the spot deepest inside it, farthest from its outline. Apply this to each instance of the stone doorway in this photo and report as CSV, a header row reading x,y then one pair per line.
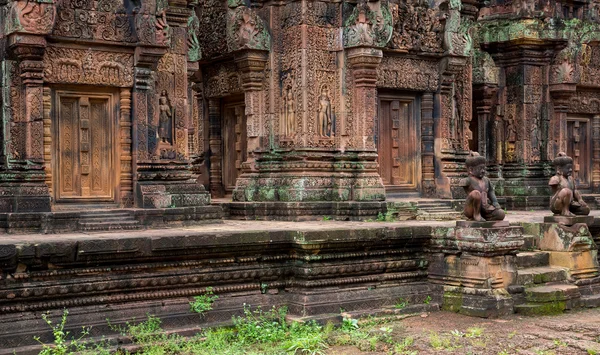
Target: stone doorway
x,y
399,142
84,154
579,145
234,143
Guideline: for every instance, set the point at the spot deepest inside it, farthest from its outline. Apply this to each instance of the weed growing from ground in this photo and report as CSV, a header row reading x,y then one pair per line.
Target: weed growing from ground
x,y
203,303
401,304
62,344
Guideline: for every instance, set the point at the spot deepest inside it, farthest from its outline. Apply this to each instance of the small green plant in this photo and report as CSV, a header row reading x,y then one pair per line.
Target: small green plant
x,y
439,342
62,345
560,343
512,334
474,332
457,333
327,218
591,352
401,304
349,325
203,303
402,347
427,300
503,352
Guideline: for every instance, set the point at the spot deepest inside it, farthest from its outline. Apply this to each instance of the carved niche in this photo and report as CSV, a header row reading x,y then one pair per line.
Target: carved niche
x,y
417,27
80,66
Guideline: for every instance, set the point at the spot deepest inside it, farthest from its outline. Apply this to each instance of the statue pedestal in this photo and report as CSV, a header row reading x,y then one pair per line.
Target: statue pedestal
x,y
570,245
476,262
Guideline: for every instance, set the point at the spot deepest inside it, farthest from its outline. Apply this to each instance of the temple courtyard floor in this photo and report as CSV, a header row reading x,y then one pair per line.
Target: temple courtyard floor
x,y
450,333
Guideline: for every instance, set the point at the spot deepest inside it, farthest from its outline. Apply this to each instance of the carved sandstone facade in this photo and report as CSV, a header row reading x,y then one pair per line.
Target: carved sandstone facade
x,y
140,104
95,105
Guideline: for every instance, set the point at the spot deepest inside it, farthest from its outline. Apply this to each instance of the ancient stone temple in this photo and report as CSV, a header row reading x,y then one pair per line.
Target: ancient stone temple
x,y
280,105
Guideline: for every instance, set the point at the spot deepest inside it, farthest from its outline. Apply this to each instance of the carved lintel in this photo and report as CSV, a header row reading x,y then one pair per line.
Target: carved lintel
x,y
251,64
561,95
364,62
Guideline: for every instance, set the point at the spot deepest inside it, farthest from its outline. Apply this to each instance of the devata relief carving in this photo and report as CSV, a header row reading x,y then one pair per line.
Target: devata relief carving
x,y
165,120
289,113
325,121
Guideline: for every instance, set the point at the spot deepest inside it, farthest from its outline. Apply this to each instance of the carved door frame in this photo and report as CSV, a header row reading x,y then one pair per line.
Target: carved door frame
x,y
51,130
582,160
414,102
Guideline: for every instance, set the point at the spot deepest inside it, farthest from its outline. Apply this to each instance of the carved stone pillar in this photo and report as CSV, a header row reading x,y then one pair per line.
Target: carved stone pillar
x,y
126,178
525,106
484,99
215,142
163,172
427,146
251,63
596,153
24,186
557,135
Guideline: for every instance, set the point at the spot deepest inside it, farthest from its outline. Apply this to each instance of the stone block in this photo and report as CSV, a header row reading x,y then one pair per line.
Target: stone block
x,y
477,302
581,264
569,221
558,237
489,241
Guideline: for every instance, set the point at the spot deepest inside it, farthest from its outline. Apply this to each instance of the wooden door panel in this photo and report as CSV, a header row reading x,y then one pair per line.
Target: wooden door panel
x,y
398,144
101,150
67,148
234,143
84,158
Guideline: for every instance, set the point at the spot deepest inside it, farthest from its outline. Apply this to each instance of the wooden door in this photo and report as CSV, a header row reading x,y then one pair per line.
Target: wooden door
x,y
84,154
398,142
234,143
579,148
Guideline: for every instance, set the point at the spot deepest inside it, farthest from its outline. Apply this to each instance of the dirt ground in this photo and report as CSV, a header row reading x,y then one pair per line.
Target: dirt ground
x,y
449,333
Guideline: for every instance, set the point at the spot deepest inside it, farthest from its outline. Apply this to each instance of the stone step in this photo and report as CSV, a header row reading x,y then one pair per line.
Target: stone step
x,y
540,275
105,215
549,299
590,301
443,216
533,259
107,226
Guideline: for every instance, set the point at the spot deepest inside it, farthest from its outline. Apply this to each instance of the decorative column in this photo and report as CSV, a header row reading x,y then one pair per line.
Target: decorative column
x,y
596,153
363,62
427,146
251,63
23,187
163,172
126,179
215,142
484,104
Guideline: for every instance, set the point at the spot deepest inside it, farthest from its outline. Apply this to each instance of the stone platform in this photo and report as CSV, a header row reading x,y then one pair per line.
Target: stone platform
x,y
315,269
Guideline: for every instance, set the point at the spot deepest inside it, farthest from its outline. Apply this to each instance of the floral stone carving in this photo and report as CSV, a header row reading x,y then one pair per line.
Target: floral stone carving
x,y
245,29
35,17
370,24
